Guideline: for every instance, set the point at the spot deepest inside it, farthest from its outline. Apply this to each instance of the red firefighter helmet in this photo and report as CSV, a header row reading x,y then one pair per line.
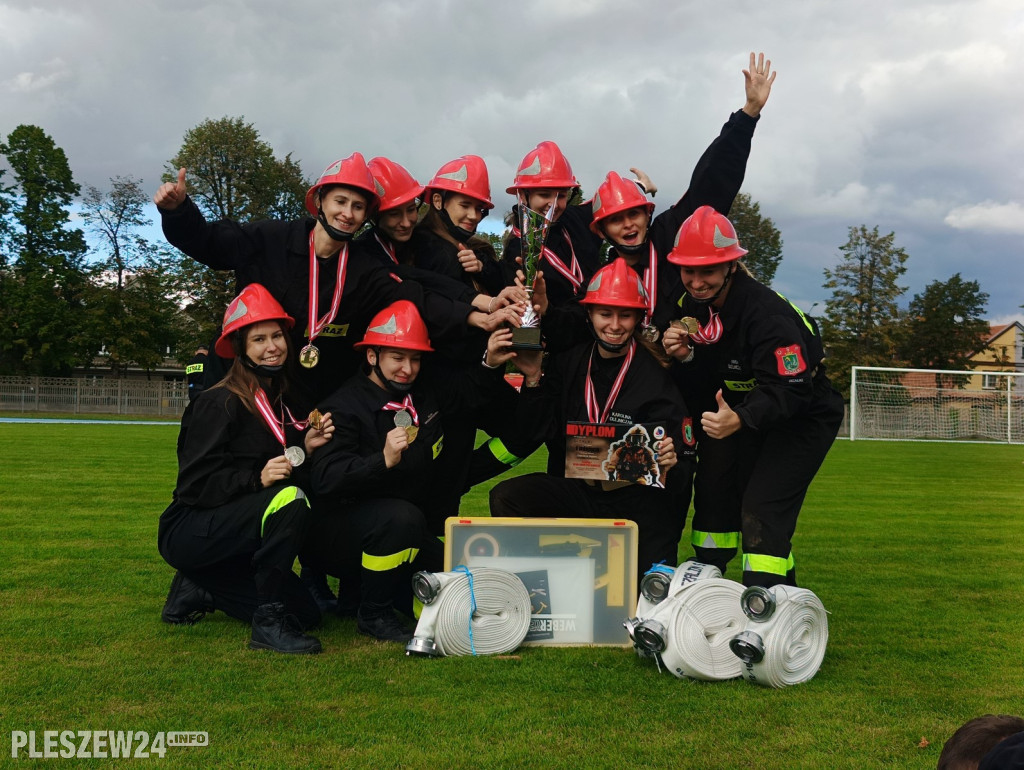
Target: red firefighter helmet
x,y
706,238
252,305
397,186
351,172
614,195
397,326
616,285
544,166
466,175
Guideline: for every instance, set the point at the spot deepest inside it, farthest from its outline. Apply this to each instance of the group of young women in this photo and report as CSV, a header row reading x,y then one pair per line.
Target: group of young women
x,y
346,439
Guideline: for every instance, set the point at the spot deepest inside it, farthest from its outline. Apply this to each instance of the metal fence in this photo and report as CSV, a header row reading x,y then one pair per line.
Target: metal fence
x,y
78,395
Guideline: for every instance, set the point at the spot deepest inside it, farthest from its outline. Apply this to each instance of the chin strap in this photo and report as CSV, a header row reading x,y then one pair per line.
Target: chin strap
x,y
630,250
261,369
607,345
399,388
453,229
717,294
334,232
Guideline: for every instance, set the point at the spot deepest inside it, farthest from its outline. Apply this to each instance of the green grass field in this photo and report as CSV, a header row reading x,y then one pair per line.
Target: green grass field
x,y
911,547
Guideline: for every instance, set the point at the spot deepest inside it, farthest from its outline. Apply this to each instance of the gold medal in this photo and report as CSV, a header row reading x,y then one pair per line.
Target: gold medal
x,y
690,324
309,356
412,431
315,419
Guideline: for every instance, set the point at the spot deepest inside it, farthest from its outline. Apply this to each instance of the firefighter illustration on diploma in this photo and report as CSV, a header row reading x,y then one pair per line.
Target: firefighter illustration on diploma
x,y
633,459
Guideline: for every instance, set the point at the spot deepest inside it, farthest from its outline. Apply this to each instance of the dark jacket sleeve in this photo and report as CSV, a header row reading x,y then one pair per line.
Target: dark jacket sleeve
x,y
716,179
209,473
221,245
341,468
777,396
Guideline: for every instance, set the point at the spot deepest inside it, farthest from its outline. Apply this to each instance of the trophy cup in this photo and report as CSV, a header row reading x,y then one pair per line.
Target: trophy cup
x,y
534,231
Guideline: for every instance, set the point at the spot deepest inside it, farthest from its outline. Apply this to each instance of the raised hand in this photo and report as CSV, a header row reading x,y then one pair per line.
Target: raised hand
x,y
170,195
758,83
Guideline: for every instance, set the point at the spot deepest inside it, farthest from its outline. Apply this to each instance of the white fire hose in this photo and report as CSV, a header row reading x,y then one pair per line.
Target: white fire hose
x,y
689,630
784,639
470,612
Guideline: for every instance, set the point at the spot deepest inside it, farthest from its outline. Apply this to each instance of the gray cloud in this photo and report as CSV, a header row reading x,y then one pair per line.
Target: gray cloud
x,y
902,115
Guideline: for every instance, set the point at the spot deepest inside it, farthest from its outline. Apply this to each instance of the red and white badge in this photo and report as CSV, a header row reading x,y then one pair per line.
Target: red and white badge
x,y
790,361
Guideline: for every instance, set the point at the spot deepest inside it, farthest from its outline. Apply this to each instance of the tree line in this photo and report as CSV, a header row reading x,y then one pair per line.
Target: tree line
x,y
131,300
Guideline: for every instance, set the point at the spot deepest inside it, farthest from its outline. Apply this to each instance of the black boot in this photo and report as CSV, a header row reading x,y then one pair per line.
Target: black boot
x,y
316,584
274,629
187,603
382,623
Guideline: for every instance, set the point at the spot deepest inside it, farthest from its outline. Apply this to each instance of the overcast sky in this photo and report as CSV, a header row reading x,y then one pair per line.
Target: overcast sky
x,y
907,115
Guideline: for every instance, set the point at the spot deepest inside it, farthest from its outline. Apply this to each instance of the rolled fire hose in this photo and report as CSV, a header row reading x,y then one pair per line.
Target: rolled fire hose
x,y
700,622
481,611
659,583
784,638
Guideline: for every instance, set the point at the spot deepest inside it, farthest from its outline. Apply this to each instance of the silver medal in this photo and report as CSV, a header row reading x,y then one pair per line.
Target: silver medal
x,y
295,455
650,333
402,419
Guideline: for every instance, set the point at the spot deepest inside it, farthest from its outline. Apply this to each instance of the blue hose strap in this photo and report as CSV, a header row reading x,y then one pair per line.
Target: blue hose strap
x,y
661,567
472,603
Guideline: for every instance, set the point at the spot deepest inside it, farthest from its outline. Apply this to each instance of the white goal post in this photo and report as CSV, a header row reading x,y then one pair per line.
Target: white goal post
x,y
891,404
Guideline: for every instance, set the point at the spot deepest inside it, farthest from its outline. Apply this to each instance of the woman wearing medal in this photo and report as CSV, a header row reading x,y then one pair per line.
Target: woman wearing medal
x,y
376,485
612,379
238,518
389,240
308,265
751,364
622,215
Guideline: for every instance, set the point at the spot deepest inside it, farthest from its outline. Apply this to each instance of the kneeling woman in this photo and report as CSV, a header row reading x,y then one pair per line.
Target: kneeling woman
x,y
614,379
376,486
237,520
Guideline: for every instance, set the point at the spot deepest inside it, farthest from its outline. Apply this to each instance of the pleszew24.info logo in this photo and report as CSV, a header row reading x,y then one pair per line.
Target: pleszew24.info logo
x,y
100,744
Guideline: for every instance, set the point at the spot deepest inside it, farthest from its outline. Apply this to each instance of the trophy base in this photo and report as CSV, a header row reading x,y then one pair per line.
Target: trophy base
x,y
526,338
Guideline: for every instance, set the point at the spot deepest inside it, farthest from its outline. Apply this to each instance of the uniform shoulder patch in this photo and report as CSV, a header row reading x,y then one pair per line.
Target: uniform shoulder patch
x,y
790,361
688,438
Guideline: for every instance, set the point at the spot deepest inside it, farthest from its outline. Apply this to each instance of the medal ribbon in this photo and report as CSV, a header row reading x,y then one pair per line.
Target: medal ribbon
x,y
406,404
573,274
317,325
710,332
388,247
276,426
267,413
591,395
651,284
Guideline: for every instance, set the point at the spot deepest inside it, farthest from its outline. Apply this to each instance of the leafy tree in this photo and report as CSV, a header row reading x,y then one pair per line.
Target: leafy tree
x,y
759,236
944,325
862,322
45,291
203,294
133,314
6,275
233,174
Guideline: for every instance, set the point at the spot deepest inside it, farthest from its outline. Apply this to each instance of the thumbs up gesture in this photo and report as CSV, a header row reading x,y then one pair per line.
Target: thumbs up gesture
x,y
722,423
171,194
